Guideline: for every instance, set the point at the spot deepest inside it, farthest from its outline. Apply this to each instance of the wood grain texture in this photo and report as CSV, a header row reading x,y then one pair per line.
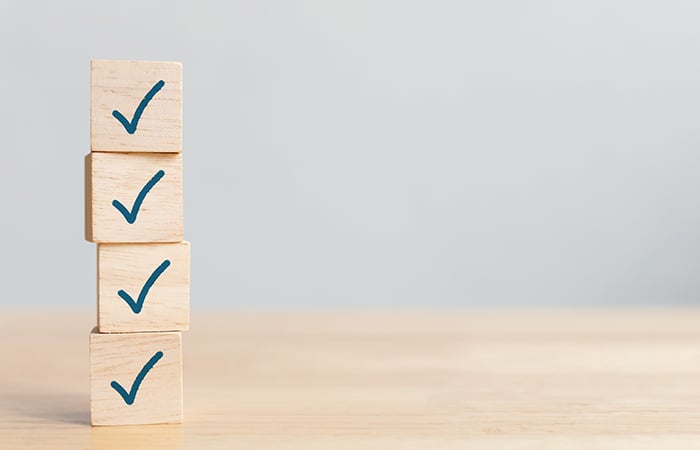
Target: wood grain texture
x,y
425,380
127,267
120,357
121,176
121,85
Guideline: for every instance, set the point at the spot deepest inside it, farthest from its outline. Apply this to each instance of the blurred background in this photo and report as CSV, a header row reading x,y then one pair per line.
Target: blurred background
x,y
376,154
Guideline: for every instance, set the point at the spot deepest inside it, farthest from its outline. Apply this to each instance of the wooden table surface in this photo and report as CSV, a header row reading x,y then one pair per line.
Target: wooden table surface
x,y
499,379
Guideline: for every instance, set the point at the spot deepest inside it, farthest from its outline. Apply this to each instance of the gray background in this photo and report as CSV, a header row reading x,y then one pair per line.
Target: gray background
x,y
377,154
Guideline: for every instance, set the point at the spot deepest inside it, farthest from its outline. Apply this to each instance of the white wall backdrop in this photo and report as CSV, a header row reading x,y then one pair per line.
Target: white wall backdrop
x,y
377,153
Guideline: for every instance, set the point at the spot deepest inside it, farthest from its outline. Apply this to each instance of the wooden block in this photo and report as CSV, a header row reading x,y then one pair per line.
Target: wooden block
x,y
143,287
146,367
147,96
147,186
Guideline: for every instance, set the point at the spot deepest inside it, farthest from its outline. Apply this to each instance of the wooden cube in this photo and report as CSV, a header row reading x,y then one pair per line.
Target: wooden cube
x,y
143,287
136,106
133,197
135,378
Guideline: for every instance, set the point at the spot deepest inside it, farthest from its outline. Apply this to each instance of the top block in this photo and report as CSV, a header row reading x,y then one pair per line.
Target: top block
x,y
136,106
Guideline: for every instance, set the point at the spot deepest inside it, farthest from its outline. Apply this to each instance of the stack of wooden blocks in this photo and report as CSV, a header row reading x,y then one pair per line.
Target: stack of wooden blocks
x,y
134,212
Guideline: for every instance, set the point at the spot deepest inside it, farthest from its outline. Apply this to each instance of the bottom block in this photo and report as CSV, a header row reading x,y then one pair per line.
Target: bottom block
x,y
135,378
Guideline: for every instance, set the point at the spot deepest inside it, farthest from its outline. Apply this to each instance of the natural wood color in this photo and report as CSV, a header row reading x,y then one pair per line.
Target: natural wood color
x,y
121,85
119,357
121,176
622,379
127,267
87,178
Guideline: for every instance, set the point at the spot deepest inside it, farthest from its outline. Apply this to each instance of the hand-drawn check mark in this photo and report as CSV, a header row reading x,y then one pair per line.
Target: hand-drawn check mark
x,y
130,216
137,305
131,126
129,397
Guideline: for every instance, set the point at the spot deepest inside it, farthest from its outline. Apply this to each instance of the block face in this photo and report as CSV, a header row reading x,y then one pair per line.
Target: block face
x,y
147,366
125,86
148,188
143,287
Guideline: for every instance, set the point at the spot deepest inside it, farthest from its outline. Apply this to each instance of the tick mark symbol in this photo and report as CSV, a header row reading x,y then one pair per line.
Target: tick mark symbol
x,y
130,216
129,397
137,305
131,126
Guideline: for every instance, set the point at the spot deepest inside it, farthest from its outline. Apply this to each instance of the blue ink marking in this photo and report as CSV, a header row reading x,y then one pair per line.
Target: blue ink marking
x,y
130,216
131,126
129,397
137,305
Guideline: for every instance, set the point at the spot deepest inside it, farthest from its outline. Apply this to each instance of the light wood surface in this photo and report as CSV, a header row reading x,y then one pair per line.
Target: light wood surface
x,y
122,176
129,267
121,86
500,380
156,397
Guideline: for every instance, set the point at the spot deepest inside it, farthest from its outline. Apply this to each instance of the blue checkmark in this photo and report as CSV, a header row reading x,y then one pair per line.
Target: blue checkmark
x,y
130,216
131,126
137,305
129,397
